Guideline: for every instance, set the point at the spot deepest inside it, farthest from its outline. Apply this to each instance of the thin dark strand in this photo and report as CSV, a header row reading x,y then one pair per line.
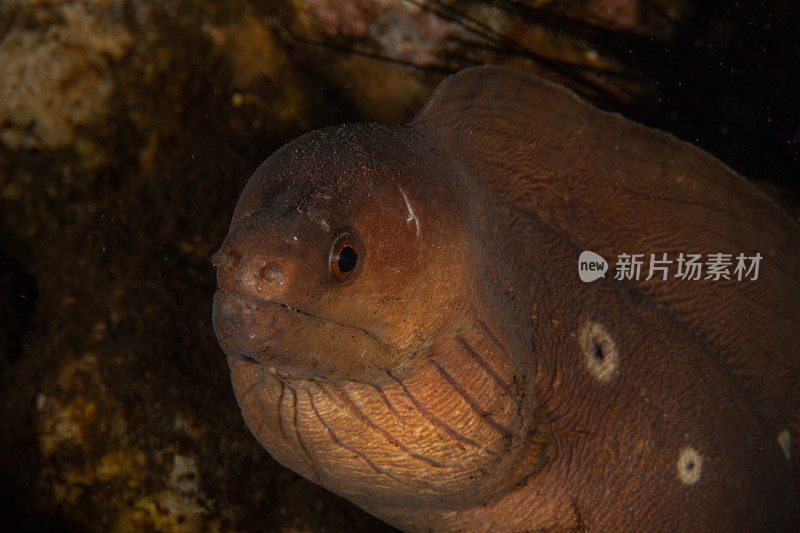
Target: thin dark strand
x,y
310,460
387,402
470,24
255,384
480,29
280,411
437,69
435,421
603,37
356,410
356,452
506,387
492,337
500,43
473,26
504,431
373,386
342,444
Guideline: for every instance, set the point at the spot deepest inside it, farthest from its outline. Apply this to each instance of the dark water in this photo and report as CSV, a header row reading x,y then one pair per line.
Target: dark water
x,y
127,132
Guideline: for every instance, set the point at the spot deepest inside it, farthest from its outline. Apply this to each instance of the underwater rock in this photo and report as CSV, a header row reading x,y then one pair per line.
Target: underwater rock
x,y
57,76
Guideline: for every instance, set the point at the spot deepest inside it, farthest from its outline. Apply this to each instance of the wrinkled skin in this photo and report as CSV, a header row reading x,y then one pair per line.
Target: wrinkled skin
x,y
461,376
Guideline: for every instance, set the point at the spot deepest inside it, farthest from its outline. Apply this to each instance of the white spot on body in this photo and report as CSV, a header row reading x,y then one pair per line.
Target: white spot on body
x,y
690,465
785,441
276,274
411,216
599,351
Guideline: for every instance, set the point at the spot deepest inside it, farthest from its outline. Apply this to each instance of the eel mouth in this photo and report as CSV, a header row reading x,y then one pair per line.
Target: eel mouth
x,y
294,342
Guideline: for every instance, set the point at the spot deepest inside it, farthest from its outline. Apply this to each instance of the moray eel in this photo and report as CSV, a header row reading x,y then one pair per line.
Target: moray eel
x,y
405,325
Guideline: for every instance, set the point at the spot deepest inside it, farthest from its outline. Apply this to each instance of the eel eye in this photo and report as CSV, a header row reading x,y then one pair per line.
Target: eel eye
x,y
344,257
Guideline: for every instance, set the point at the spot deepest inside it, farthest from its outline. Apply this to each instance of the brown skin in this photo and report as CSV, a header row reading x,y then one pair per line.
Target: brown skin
x,y
614,186
461,376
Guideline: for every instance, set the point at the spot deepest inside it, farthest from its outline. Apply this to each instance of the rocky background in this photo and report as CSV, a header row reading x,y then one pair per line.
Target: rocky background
x,y
127,130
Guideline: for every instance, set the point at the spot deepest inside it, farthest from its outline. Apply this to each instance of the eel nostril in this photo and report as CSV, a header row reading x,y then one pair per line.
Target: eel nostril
x,y
221,260
227,260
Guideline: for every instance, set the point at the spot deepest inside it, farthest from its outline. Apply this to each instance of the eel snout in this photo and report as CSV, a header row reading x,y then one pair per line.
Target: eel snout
x,y
263,270
269,258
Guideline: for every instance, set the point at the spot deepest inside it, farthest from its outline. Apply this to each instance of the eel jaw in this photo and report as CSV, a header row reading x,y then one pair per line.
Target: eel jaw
x,y
296,343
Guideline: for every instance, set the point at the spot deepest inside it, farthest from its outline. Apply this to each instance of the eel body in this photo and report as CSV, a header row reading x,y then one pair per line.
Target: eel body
x,y
405,324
